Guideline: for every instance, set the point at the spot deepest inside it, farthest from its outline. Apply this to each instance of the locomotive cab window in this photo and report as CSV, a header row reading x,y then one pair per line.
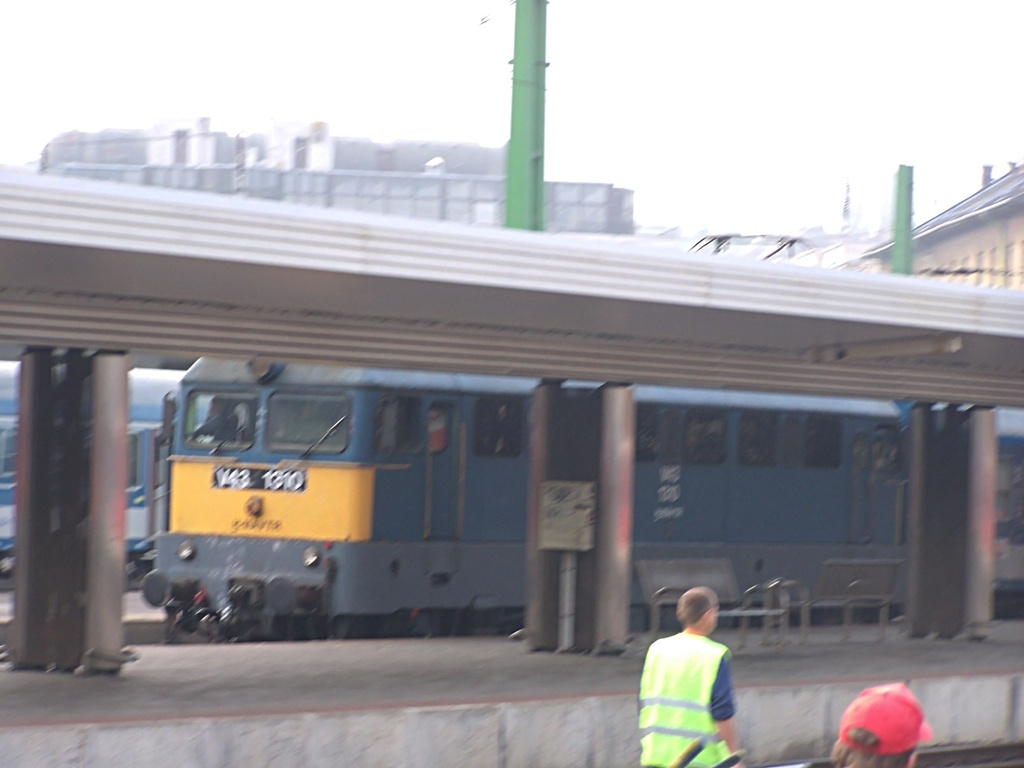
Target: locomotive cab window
x,y
223,420
396,424
823,441
498,426
758,438
704,432
307,423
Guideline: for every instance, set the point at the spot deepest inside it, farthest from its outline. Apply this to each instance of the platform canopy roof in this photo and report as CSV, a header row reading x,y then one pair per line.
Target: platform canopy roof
x,y
102,265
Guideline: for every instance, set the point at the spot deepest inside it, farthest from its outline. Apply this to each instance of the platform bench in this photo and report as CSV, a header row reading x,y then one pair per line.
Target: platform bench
x,y
663,582
849,584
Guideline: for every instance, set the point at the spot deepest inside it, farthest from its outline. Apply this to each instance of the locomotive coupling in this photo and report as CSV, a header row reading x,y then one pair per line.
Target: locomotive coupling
x,y
279,594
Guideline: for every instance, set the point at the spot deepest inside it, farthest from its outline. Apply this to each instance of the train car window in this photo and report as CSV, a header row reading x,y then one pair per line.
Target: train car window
x,y
704,431
789,442
758,438
133,460
823,441
646,432
8,450
313,423
220,419
396,424
498,426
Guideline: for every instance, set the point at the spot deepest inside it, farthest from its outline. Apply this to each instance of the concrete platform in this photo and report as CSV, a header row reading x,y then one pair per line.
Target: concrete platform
x,y
479,702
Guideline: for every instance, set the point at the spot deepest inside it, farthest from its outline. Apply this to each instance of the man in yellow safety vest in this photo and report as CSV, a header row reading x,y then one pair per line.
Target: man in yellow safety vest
x,y
686,689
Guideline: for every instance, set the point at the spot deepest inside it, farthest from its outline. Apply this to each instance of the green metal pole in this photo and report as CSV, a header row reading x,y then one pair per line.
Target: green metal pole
x,y
902,241
524,175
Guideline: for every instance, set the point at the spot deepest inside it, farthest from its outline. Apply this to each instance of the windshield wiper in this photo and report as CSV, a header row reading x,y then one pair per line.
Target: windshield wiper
x,y
330,431
227,440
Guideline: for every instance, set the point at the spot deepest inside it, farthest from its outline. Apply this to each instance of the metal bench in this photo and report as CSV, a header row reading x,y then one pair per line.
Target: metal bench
x,y
663,582
849,584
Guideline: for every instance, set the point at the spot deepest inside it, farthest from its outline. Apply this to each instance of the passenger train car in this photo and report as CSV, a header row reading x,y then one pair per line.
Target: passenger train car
x,y
305,500
145,512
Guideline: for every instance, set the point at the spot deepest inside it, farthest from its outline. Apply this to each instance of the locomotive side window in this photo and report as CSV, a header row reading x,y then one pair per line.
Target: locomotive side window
x,y
8,449
789,443
498,426
758,438
396,424
646,432
438,419
307,422
1004,488
220,419
133,460
704,432
885,448
823,441
671,436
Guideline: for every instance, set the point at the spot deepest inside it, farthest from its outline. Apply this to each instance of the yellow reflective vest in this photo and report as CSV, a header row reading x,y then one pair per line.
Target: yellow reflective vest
x,y
675,700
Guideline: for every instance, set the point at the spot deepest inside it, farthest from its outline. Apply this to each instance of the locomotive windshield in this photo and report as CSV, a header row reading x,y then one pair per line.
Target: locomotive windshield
x,y
295,422
220,420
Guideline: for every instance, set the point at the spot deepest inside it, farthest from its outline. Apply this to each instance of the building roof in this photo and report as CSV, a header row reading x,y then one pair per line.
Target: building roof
x,y
1003,195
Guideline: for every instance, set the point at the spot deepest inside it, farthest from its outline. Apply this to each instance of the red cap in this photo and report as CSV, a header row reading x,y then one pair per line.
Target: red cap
x,y
891,713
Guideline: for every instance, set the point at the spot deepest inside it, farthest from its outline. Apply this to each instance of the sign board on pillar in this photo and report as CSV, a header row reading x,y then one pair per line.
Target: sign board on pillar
x,y
567,512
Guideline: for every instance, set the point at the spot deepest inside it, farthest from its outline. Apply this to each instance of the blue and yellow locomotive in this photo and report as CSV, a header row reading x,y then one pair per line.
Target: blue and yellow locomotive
x,y
327,495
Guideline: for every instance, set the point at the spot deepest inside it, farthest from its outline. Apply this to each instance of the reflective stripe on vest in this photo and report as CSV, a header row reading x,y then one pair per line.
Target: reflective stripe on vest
x,y
675,700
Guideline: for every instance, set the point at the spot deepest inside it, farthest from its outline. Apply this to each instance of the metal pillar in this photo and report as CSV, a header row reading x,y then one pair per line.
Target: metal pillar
x,y
614,536
52,489
951,520
542,566
582,441
984,453
71,480
917,610
108,478
902,225
524,175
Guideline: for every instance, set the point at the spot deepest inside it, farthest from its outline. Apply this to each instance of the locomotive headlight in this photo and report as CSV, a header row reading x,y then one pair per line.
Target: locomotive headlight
x,y
310,557
186,550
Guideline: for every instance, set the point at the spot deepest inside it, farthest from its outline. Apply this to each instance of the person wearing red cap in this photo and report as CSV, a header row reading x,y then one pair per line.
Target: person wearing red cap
x,y
881,729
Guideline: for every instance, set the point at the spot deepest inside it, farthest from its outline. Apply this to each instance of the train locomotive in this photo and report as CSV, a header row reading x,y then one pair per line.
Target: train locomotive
x,y
310,501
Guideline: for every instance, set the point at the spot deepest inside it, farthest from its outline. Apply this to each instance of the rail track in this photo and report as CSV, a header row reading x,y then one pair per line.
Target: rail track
x,y
963,756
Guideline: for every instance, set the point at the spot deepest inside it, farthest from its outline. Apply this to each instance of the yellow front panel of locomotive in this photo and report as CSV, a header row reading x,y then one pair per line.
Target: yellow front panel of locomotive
x,y
335,504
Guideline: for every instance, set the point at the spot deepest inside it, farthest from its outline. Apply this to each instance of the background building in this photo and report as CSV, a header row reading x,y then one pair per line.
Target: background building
x,y
303,163
979,240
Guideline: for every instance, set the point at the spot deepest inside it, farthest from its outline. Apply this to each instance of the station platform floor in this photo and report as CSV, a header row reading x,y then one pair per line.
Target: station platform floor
x,y
236,679
505,687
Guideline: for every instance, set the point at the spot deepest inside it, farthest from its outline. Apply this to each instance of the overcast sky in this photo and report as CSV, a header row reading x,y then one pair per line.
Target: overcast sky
x,y
727,116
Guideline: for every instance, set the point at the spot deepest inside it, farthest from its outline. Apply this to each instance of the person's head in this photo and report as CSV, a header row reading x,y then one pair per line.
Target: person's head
x,y
881,729
697,610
